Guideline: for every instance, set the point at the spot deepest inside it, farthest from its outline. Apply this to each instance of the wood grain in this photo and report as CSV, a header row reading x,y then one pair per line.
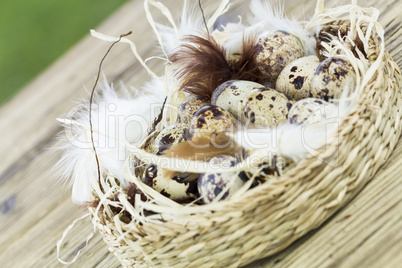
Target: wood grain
x,y
35,209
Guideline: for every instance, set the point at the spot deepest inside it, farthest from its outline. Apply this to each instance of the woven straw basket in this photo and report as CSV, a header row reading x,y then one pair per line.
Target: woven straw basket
x,y
269,217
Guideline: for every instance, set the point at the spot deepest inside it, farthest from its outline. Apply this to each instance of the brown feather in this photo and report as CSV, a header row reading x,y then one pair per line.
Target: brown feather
x,y
245,68
187,150
201,64
202,150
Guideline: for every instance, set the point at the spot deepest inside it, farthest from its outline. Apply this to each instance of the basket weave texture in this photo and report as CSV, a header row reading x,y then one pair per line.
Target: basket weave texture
x,y
270,217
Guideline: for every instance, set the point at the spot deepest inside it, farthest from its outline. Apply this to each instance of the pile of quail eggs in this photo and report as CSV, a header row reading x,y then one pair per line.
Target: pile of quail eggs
x,y
296,88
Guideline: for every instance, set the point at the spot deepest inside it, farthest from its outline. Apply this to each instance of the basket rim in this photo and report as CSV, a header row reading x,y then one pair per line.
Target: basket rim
x,y
287,177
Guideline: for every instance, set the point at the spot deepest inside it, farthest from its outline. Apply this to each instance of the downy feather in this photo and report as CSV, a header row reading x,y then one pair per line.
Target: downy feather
x,y
191,23
117,120
201,64
265,17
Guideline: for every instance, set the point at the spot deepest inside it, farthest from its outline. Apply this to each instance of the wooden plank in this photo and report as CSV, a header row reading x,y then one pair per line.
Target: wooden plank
x,y
35,210
366,233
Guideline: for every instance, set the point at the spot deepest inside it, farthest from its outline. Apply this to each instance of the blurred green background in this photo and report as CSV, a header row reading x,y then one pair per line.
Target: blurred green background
x,y
35,33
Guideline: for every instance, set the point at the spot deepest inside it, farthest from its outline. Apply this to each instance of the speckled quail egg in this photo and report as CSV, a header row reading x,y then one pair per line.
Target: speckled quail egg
x,y
266,107
234,58
219,186
295,78
211,122
170,136
190,106
148,144
230,95
275,51
309,111
274,166
332,76
222,161
178,188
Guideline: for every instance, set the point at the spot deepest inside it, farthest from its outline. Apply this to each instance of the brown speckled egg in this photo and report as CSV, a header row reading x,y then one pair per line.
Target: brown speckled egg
x,y
149,146
222,161
274,166
210,185
190,106
230,95
309,111
179,188
332,76
234,58
295,78
169,136
211,121
266,107
149,143
275,51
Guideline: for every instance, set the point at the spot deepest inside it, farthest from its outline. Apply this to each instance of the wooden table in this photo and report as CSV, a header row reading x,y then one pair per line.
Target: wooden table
x,y
35,209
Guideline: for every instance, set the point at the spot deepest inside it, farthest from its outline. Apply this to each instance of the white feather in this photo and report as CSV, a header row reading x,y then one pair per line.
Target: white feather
x,y
267,18
231,37
191,23
290,140
117,121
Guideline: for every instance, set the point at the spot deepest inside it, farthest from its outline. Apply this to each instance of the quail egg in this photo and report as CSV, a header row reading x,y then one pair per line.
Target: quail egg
x,y
190,106
295,78
266,107
219,186
234,58
332,76
275,51
148,144
178,188
309,111
230,95
275,165
211,122
169,136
